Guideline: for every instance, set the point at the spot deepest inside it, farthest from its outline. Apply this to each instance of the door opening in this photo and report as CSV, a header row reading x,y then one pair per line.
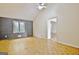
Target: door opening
x,y
51,28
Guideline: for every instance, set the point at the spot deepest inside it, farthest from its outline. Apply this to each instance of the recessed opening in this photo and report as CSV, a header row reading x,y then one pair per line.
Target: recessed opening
x,y
51,28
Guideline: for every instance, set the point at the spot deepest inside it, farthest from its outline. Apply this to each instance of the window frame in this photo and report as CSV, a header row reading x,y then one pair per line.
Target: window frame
x,y
19,26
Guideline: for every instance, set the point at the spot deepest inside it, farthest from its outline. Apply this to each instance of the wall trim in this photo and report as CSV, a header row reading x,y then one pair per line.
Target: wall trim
x,y
66,43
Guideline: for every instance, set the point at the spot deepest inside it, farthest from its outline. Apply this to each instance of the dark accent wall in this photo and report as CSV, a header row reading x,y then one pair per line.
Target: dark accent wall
x,y
6,28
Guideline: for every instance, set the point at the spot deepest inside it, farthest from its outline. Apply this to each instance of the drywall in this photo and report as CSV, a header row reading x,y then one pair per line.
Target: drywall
x,y
67,23
40,22
18,10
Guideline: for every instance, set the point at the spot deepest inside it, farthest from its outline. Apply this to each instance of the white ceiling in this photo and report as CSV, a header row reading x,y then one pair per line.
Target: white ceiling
x,y
19,10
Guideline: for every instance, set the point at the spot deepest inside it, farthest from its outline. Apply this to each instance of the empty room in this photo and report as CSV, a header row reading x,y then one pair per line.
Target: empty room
x,y
39,28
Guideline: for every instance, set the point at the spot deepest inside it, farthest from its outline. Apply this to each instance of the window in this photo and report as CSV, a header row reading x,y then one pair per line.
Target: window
x,y
22,27
18,27
15,26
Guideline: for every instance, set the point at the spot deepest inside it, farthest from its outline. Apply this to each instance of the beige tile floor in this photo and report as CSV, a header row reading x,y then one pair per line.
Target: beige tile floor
x,y
36,46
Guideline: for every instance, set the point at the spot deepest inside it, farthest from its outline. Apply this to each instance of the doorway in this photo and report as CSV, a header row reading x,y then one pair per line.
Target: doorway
x,y
51,32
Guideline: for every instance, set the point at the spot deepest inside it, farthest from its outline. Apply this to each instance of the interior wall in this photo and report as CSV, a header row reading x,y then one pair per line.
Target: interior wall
x,y
40,22
18,10
67,23
6,28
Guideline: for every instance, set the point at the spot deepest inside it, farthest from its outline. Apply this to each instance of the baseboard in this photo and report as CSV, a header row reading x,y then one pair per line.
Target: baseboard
x,y
66,43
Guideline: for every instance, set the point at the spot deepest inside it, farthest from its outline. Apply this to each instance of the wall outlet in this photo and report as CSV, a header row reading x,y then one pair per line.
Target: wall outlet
x,y
19,35
5,36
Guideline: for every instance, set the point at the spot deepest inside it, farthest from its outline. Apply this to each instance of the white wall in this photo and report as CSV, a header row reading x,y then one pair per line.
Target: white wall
x,y
40,23
67,26
18,10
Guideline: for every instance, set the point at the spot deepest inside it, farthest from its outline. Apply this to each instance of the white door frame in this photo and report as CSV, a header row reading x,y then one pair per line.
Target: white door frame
x,y
49,27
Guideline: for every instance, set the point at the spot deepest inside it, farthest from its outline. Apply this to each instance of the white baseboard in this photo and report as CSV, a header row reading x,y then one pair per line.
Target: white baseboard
x,y
69,44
